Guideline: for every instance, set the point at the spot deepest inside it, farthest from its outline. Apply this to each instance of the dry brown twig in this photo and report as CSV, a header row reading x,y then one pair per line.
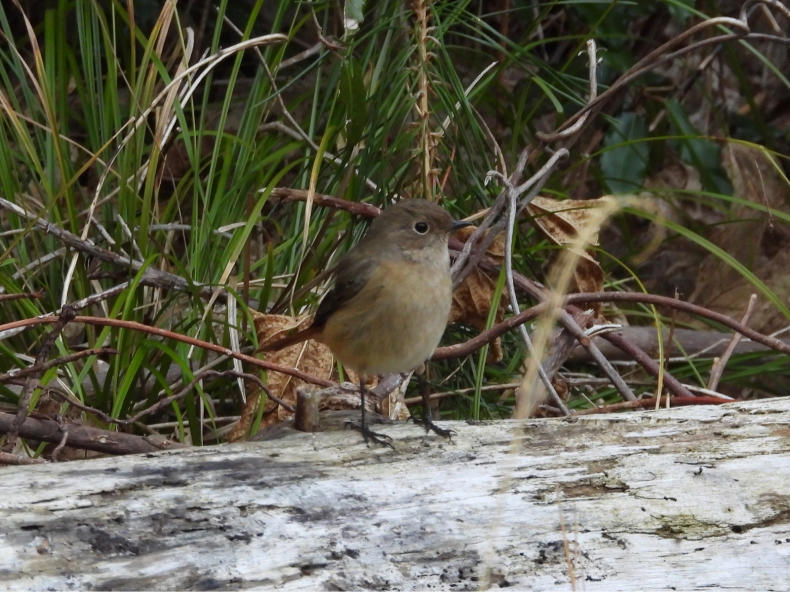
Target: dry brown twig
x,y
43,367
64,428
647,362
649,402
191,385
353,207
471,345
134,326
31,380
655,58
664,54
514,195
21,296
6,458
86,437
717,369
150,275
592,62
567,320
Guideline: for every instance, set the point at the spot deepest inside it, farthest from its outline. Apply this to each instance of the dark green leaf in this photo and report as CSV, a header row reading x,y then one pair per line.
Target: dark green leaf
x,y
624,161
701,153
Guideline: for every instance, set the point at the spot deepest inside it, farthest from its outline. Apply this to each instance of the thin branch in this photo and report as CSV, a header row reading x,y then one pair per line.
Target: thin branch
x,y
592,67
135,326
64,427
105,417
6,458
648,363
37,264
479,340
354,207
482,238
650,402
461,391
659,56
767,340
31,379
717,369
199,377
535,356
747,8
149,274
571,325
21,296
301,56
98,296
41,368
86,437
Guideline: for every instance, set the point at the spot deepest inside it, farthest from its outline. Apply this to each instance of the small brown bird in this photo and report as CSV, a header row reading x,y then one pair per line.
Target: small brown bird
x,y
390,301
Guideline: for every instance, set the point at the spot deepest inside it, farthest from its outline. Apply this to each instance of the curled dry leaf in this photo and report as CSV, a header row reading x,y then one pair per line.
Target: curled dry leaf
x,y
562,221
472,298
309,356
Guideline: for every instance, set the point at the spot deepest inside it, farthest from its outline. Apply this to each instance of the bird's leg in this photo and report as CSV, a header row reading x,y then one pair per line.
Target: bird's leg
x,y
367,433
427,420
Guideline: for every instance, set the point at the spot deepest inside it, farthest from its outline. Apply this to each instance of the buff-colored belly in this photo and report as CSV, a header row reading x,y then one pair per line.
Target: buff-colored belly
x,y
392,330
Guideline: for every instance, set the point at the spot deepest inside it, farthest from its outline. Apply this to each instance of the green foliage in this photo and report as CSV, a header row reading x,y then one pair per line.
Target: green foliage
x,y
154,135
704,155
624,162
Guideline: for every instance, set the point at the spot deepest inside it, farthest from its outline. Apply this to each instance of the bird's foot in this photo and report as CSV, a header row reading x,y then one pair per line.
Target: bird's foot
x,y
430,426
368,434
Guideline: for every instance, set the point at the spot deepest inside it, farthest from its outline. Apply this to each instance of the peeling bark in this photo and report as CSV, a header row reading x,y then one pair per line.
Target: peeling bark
x,y
689,499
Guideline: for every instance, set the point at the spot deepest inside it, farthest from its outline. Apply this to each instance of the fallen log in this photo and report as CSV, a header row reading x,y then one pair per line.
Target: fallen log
x,y
690,498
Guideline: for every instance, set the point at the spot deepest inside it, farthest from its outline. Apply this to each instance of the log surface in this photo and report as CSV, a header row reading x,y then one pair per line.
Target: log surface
x,y
695,498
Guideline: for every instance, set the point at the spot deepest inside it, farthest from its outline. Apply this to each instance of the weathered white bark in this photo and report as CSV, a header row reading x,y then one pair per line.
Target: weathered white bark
x,y
689,499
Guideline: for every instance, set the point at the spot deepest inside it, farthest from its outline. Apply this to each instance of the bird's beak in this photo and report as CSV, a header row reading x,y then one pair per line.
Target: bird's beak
x,y
459,224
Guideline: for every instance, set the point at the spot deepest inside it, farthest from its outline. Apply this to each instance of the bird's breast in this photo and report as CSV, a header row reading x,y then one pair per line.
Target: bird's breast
x,y
396,320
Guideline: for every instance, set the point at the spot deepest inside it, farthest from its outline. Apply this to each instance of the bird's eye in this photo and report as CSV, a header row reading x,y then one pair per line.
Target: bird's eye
x,y
421,227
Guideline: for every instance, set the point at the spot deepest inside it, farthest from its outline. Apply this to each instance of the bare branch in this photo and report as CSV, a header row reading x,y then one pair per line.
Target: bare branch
x,y
89,438
134,326
718,366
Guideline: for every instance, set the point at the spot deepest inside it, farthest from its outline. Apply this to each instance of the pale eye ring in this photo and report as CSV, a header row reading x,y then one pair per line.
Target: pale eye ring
x,y
421,227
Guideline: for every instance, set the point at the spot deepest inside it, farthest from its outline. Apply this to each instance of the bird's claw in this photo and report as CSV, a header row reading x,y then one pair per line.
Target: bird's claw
x,y
368,434
429,426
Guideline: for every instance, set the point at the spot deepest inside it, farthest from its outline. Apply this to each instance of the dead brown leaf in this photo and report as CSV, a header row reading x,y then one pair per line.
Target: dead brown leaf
x,y
562,221
309,356
472,298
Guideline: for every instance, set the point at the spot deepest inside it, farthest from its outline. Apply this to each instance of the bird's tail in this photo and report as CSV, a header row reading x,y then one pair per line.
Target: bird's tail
x,y
282,340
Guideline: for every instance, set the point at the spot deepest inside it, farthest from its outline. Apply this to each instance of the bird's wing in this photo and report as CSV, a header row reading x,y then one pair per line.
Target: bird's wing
x,y
350,277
